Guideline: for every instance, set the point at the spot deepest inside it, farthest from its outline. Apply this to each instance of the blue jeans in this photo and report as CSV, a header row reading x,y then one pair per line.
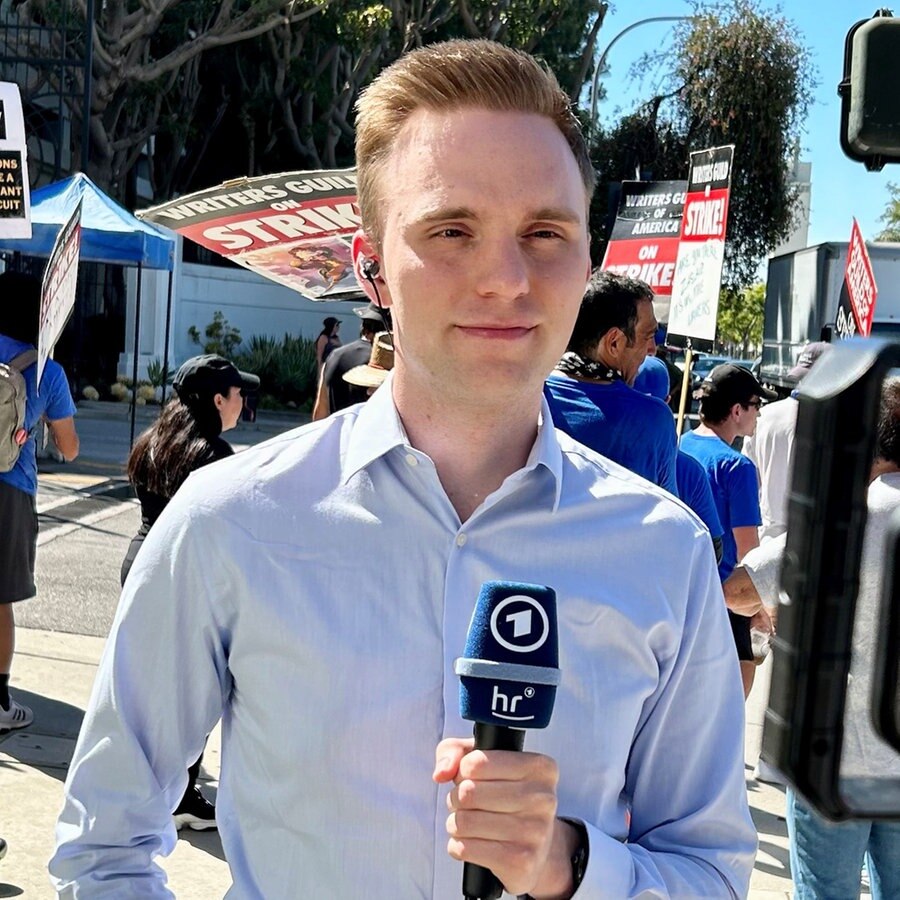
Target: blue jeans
x,y
827,857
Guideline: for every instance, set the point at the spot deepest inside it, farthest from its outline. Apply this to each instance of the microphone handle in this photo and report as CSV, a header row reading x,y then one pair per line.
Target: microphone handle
x,y
480,883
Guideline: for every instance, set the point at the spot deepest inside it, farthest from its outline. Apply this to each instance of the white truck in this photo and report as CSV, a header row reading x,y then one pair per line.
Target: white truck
x,y
802,294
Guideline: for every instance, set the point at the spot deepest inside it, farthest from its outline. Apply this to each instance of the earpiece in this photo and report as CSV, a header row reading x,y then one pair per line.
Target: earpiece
x,y
370,268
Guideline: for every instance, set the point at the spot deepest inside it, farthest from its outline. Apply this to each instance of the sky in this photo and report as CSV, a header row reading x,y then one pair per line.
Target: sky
x,y
841,188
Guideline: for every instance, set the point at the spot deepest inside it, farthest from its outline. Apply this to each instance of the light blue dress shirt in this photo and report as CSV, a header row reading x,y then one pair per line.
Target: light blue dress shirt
x,y
315,590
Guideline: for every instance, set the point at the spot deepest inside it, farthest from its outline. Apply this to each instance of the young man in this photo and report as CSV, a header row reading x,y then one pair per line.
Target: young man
x,y
344,749
19,315
730,399
590,392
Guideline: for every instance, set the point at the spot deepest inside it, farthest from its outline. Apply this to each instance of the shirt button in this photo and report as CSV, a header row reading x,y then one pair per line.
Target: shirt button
x,y
411,460
461,540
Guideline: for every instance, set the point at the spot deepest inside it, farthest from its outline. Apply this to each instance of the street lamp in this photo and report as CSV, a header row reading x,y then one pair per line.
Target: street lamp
x,y
601,62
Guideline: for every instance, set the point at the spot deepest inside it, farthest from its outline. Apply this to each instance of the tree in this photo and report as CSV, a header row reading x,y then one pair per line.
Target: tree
x,y
145,60
740,77
212,89
740,319
891,216
287,99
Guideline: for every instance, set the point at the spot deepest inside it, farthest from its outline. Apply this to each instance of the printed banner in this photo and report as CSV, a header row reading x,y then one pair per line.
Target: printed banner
x,y
15,198
856,305
644,239
58,287
698,272
294,228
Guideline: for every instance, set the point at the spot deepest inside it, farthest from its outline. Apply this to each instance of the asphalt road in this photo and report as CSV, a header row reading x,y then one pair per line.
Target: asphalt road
x,y
87,519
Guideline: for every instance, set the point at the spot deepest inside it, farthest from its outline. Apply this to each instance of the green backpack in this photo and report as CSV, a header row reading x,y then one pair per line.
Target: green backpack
x,y
13,393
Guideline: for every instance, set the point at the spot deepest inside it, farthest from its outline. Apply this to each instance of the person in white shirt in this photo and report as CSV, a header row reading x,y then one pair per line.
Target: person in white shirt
x,y
345,767
771,448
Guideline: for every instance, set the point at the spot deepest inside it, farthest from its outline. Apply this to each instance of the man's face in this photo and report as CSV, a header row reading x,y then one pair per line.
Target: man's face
x,y
644,342
484,255
746,415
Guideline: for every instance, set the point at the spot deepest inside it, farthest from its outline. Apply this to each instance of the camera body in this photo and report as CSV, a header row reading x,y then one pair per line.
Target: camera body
x,y
834,449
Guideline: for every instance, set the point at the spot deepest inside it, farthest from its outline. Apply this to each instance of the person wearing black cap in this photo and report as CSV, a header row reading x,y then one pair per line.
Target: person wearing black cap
x,y
209,396
730,400
334,392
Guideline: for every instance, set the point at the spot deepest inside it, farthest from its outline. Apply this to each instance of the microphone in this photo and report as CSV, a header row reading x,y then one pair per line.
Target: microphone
x,y
507,680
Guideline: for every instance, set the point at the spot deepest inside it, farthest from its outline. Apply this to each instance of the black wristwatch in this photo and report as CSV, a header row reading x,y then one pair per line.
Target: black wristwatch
x,y
578,859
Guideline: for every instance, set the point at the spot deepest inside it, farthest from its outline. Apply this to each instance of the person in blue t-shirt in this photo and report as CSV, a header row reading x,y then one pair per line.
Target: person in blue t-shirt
x,y
690,476
730,399
19,312
590,393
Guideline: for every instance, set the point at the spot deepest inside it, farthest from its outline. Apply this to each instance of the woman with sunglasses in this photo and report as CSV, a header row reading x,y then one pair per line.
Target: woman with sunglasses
x,y
209,397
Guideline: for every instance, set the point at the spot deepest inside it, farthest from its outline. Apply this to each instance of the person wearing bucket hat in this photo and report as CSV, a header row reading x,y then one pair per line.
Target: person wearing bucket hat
x,y
334,392
344,744
730,401
209,397
371,376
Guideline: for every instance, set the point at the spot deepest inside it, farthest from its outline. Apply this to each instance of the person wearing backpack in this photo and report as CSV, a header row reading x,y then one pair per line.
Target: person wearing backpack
x,y
19,314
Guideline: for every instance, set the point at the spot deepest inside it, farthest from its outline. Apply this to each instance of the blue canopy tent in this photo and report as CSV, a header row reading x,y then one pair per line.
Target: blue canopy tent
x,y
109,234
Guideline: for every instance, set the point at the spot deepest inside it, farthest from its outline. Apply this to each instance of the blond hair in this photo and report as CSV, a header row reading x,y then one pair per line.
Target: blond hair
x,y
448,76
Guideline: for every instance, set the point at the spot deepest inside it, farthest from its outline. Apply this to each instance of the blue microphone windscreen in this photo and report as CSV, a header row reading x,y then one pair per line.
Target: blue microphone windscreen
x,y
510,667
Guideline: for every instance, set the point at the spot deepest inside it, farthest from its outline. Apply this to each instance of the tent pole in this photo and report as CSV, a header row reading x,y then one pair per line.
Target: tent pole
x,y
134,367
165,377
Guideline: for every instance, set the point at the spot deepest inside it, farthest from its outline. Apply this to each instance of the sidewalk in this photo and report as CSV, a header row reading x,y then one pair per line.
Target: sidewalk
x,y
54,673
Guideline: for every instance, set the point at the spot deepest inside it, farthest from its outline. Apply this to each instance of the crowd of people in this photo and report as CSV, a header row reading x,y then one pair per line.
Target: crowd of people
x,y
501,416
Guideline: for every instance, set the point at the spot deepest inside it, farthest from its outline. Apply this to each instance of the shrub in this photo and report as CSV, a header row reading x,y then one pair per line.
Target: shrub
x,y
286,369
155,373
219,336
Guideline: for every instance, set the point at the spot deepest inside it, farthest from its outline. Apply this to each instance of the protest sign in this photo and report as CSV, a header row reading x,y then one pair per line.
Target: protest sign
x,y
644,239
58,287
856,304
701,252
15,204
294,228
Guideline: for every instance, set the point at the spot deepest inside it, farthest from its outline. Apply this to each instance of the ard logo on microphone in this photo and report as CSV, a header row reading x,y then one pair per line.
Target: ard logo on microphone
x,y
520,624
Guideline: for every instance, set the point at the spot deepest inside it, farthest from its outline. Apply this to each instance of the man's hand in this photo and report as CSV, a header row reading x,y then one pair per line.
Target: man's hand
x,y
503,817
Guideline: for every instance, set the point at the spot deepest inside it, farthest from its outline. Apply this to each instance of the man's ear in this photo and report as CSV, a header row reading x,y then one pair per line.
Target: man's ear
x,y
610,346
364,251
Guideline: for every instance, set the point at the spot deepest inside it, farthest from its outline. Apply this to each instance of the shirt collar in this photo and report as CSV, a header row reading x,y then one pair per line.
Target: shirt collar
x,y
378,430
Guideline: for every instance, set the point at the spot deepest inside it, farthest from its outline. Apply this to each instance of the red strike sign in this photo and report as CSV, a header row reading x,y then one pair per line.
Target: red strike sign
x,y
705,216
860,282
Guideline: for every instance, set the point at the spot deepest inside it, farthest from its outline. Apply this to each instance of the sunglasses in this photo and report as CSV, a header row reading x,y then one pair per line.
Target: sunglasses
x,y
755,403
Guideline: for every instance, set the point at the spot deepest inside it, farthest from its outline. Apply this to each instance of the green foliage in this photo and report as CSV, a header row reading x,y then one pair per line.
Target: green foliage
x,y
742,76
218,336
891,216
740,319
287,368
155,373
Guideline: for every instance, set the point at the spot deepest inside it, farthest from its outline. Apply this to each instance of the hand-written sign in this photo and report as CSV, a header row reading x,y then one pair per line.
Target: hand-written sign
x,y
701,252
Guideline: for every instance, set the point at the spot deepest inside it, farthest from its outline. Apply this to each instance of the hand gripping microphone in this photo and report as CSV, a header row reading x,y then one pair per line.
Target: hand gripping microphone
x,y
508,678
